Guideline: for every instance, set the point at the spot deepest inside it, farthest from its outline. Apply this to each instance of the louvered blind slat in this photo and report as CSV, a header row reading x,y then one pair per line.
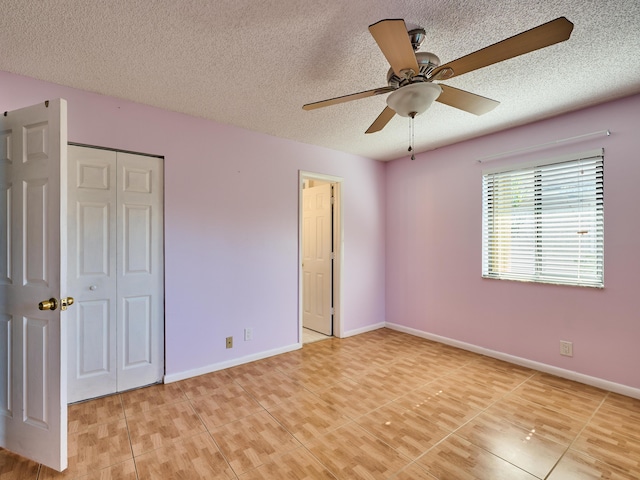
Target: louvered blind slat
x,y
545,223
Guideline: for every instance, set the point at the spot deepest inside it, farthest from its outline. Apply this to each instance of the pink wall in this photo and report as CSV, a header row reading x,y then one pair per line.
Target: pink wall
x,y
231,222
231,229
434,282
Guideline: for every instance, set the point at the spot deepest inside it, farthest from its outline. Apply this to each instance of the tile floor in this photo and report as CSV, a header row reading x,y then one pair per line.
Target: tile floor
x,y
381,405
310,336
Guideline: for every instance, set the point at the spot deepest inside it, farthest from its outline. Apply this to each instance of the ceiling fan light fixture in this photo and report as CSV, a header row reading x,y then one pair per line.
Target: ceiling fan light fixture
x,y
414,98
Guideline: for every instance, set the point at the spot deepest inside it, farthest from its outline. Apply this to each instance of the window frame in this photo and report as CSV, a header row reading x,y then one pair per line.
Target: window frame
x,y
536,223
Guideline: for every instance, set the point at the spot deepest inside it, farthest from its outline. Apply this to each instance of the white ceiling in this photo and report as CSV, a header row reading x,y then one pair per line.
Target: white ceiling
x,y
254,64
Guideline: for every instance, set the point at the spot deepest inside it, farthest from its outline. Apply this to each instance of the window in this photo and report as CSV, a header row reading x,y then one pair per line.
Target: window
x,y
545,223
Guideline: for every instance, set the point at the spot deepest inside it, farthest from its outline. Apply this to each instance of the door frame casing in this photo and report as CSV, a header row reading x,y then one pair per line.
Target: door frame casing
x,y
338,241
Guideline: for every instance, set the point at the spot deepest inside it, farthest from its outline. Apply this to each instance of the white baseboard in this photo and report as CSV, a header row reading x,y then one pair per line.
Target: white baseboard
x,y
368,328
174,377
542,367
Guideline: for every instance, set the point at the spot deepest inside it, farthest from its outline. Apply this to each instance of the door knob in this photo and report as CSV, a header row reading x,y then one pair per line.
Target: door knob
x,y
66,302
50,304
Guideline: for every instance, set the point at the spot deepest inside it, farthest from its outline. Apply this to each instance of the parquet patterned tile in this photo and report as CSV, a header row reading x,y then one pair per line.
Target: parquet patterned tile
x,y
510,370
438,407
438,368
377,358
249,372
520,447
577,466
350,366
406,369
15,467
161,426
93,449
298,464
190,458
119,471
611,447
307,416
555,398
474,394
94,412
458,459
498,379
225,405
580,389
402,429
547,423
253,441
626,404
205,384
148,398
272,388
317,377
414,472
623,422
351,452
286,361
353,399
444,361
380,405
380,379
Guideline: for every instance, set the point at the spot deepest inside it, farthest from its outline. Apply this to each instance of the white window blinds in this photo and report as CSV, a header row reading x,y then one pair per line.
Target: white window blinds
x,y
545,223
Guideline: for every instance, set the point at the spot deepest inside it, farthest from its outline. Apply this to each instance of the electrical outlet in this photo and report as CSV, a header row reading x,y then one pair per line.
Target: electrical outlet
x,y
229,342
566,348
248,334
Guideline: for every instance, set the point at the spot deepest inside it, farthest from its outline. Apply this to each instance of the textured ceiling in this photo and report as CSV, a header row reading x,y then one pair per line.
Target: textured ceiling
x,y
254,64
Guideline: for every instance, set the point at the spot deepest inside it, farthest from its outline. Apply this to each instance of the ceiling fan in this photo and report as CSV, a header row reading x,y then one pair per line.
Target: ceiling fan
x,y
411,76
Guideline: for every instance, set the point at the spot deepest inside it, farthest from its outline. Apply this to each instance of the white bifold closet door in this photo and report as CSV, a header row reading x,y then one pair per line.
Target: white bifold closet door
x,y
116,271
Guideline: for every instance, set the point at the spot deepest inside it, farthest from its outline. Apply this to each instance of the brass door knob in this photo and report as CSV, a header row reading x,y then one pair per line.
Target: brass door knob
x,y
66,302
50,304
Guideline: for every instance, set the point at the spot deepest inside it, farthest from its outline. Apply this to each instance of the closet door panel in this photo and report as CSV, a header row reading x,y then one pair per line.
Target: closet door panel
x,y
116,335
92,276
140,286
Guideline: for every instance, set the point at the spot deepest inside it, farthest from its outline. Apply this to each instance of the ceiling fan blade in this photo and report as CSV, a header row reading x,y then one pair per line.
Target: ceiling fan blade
x,y
347,98
544,35
393,40
382,120
467,101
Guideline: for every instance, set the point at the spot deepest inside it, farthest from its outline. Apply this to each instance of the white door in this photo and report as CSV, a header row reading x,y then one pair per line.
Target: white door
x,y
92,273
317,258
33,390
140,270
116,335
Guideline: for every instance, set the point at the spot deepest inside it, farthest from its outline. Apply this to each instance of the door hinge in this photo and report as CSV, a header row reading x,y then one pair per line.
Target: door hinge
x,y
333,255
332,311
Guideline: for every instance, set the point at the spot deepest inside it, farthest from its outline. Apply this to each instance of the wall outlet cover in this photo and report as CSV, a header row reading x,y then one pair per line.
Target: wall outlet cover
x,y
566,348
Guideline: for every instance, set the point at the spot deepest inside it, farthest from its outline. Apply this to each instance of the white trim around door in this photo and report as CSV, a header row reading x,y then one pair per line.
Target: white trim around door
x,y
338,241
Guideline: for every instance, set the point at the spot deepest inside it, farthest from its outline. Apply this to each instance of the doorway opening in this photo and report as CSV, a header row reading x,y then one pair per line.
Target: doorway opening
x,y
320,256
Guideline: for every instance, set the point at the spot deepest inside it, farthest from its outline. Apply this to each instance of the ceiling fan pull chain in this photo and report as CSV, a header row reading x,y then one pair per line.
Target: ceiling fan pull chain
x,y
412,134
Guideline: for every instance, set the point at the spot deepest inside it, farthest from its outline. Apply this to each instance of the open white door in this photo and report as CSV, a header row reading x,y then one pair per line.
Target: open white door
x,y
317,259
33,390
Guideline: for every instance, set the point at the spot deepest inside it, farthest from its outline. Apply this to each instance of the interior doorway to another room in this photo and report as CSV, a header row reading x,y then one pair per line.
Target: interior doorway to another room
x,y
320,252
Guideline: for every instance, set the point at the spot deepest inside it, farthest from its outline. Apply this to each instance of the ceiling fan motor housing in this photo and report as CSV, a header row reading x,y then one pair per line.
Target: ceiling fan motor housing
x,y
426,61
